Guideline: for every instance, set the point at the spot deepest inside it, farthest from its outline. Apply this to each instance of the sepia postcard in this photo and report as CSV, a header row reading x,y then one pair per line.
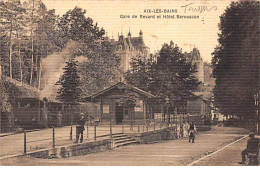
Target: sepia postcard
x,y
129,83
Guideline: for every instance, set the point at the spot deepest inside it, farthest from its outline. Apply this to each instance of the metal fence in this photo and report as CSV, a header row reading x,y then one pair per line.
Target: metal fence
x,y
59,136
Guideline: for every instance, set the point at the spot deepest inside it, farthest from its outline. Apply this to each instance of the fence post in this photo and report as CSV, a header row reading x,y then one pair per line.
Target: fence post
x,y
111,130
70,132
24,148
131,125
138,128
87,129
147,127
53,137
95,132
122,126
154,125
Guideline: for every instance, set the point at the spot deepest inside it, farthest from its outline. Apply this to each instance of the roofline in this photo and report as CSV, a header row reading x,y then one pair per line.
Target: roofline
x,y
104,90
111,87
142,91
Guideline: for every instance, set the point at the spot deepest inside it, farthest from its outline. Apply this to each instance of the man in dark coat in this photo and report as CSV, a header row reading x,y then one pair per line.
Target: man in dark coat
x,y
80,128
252,147
192,131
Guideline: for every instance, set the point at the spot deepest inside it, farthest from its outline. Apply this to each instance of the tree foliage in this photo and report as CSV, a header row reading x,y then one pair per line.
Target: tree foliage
x,y
99,70
236,59
139,73
75,26
30,32
69,93
173,77
5,105
170,77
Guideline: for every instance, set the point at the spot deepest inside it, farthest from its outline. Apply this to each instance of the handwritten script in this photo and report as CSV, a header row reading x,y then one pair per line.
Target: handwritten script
x,y
198,8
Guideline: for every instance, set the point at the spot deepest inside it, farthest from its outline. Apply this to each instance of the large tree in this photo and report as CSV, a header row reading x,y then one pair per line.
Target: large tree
x,y
11,22
5,105
236,59
171,76
28,32
76,26
43,37
100,66
69,93
139,73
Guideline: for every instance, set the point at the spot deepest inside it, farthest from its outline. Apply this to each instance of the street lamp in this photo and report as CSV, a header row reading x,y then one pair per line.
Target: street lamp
x,y
167,100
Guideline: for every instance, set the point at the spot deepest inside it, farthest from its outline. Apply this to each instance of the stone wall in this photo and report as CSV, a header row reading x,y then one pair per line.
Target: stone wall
x,y
73,150
170,133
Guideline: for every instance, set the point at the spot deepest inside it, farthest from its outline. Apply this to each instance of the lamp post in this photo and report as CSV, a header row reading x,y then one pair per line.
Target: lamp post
x,y
167,100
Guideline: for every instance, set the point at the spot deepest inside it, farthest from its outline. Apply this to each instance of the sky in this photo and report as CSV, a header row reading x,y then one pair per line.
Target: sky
x,y
186,33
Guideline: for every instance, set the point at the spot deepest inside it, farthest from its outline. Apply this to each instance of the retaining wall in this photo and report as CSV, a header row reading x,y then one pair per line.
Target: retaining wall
x,y
170,133
73,150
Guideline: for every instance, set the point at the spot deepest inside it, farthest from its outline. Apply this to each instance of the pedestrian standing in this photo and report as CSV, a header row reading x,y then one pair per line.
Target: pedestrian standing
x,y
185,129
59,119
192,131
80,128
178,128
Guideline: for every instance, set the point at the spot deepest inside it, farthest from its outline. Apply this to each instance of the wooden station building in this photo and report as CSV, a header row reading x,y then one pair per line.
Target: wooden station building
x,y
112,109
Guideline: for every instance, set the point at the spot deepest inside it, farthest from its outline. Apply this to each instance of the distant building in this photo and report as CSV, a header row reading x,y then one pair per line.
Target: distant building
x,y
208,79
202,106
130,47
196,60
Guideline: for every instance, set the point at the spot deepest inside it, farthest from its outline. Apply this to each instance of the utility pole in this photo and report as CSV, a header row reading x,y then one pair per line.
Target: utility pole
x,y
256,98
257,115
258,93
11,51
257,105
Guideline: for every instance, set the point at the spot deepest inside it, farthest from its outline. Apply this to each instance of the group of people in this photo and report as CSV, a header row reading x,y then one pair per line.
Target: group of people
x,y
251,149
81,122
252,143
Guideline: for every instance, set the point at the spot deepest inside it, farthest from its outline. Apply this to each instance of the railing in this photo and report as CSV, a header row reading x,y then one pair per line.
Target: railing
x,y
139,126
63,136
59,136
